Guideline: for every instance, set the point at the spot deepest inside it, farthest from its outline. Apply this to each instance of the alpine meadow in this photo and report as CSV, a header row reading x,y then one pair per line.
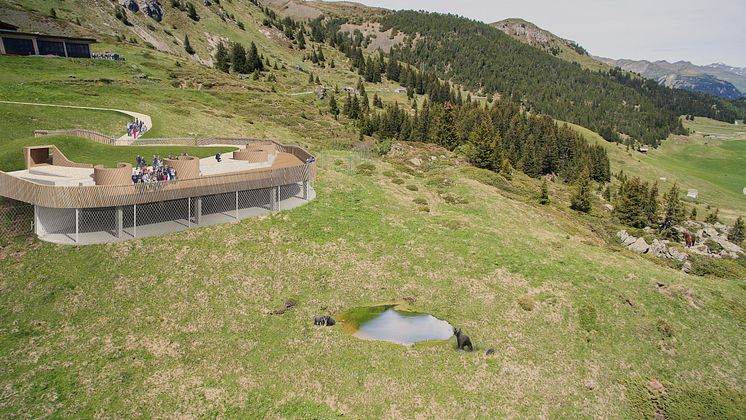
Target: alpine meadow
x,y
312,209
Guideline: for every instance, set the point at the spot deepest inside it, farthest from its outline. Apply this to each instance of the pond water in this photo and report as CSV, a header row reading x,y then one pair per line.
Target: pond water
x,y
388,323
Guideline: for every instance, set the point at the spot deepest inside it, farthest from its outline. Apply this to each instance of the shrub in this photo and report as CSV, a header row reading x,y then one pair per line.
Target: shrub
x,y
526,302
424,209
714,246
383,147
664,328
390,174
412,187
366,169
420,200
397,181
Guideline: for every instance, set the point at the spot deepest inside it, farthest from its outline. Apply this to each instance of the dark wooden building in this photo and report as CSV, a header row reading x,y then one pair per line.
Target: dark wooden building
x,y
14,42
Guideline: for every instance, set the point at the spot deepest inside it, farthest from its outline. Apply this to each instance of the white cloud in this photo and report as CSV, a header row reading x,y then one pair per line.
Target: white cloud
x,y
691,30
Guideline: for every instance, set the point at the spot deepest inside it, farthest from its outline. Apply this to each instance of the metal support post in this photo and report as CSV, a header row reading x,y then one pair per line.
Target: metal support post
x,y
134,220
119,220
189,211
198,211
236,205
77,225
279,197
305,190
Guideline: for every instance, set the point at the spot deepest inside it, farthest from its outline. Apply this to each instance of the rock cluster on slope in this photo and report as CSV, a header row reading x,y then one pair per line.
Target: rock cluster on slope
x,y
711,240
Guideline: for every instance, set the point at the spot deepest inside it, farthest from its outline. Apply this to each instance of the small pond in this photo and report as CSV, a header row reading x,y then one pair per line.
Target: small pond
x,y
391,323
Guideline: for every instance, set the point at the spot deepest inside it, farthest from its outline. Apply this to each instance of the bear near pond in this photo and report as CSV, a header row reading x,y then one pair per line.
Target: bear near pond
x,y
462,340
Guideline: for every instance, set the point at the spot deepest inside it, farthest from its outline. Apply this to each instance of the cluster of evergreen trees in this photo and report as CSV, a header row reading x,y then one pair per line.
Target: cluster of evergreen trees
x,y
636,205
238,59
498,137
483,58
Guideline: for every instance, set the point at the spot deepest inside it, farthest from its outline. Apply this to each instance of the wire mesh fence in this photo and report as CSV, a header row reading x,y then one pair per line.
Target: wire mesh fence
x,y
16,219
109,224
346,159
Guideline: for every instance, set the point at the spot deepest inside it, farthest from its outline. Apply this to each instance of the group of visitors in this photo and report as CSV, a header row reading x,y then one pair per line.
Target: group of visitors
x,y
135,128
156,173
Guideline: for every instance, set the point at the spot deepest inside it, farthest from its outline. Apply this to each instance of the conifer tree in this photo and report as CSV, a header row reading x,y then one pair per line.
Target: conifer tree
x,y
651,206
693,214
253,60
221,58
333,108
673,214
347,106
301,40
544,193
238,58
737,233
192,12
712,217
187,46
310,78
631,203
581,197
483,145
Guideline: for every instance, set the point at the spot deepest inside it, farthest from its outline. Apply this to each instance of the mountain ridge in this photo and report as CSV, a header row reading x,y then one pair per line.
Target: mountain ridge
x,y
717,78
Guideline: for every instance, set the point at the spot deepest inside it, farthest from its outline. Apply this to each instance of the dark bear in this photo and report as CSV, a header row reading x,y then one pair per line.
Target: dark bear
x,y
463,340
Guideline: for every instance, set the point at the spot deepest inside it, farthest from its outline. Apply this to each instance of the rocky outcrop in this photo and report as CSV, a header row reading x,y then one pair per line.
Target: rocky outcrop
x,y
153,9
711,241
132,6
657,248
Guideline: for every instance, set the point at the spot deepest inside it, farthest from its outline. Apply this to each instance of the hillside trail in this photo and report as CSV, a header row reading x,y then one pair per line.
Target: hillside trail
x,y
124,139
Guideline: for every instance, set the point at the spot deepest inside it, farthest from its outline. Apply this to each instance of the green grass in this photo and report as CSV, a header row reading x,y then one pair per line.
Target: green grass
x,y
85,151
21,120
180,324
715,167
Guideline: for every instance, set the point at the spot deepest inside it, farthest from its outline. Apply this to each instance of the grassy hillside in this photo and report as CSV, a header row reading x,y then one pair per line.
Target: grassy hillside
x,y
715,167
85,151
21,120
84,333
180,325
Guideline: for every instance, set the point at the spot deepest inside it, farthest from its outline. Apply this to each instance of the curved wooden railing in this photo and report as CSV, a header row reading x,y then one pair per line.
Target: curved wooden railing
x,y
91,196
78,132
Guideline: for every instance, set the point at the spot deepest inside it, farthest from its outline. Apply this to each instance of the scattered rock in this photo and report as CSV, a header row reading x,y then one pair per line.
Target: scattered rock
x,y
709,232
416,161
640,246
658,249
132,6
153,9
490,351
608,207
289,304
686,268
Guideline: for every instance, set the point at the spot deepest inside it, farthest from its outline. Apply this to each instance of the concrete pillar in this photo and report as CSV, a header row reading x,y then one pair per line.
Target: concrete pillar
x,y
77,225
119,220
279,198
36,46
2,46
236,205
272,199
64,46
198,211
37,226
305,190
134,220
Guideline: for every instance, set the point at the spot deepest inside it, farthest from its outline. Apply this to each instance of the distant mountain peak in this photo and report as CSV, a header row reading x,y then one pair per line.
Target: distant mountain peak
x,y
716,79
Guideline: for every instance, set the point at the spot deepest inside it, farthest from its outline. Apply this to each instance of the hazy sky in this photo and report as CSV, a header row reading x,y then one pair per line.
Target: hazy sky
x,y
699,31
